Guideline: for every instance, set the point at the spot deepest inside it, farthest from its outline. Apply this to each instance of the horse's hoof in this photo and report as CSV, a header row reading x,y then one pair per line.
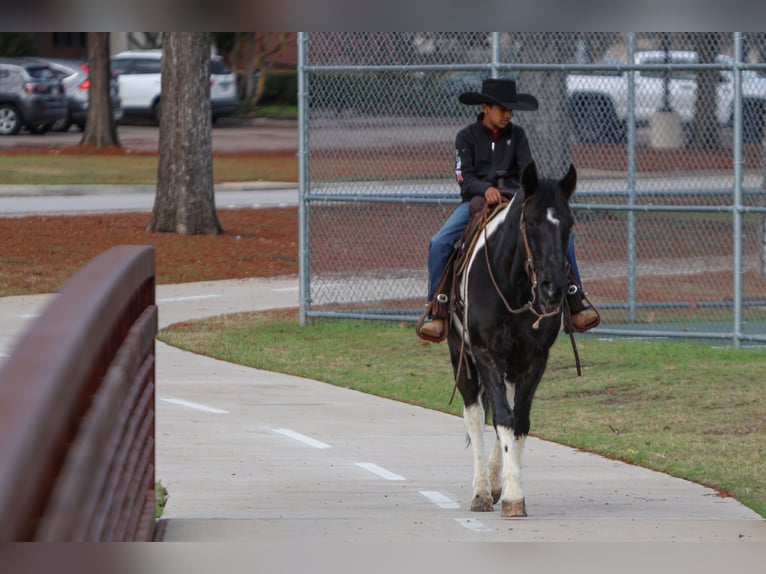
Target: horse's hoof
x,y
513,509
481,504
496,492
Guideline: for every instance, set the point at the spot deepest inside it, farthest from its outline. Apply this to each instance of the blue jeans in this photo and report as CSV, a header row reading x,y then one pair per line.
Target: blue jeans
x,y
443,241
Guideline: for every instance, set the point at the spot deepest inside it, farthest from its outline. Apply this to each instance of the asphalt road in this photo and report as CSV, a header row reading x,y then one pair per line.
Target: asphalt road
x,y
229,136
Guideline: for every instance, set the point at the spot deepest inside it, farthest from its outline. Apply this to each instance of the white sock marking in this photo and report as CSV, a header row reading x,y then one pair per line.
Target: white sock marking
x,y
511,463
439,499
195,406
380,471
474,419
307,440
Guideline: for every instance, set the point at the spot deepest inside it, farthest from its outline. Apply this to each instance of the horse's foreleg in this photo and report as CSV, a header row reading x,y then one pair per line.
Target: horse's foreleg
x,y
495,471
474,417
513,495
496,459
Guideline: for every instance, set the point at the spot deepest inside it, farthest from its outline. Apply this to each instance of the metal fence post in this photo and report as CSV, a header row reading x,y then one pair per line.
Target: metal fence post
x,y
631,180
738,161
304,286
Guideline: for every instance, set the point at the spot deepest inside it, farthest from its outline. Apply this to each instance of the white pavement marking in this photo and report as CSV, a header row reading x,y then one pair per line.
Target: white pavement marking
x,y
302,438
188,298
195,406
474,525
439,499
29,315
375,469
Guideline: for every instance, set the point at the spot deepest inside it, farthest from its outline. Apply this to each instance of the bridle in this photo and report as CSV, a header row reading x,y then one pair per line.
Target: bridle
x,y
529,268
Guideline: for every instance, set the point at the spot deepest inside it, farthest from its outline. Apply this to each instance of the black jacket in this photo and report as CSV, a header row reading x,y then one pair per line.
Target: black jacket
x,y
479,156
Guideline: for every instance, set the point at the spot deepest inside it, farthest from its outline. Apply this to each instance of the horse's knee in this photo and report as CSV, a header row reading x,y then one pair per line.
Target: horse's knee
x,y
522,424
503,418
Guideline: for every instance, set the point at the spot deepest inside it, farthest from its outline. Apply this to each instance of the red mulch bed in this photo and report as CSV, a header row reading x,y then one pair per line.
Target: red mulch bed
x,y
40,253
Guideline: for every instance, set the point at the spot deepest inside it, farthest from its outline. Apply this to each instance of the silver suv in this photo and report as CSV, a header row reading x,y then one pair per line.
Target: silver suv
x,y
30,95
75,77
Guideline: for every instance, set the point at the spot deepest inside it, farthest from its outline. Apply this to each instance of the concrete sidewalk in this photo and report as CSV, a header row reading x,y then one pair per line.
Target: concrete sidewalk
x,y
24,200
248,455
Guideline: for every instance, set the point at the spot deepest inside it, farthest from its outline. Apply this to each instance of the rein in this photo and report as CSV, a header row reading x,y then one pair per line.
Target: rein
x,y
529,268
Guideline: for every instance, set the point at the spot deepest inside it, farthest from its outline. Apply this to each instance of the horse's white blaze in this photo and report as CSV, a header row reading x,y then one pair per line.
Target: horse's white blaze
x,y
512,448
474,426
550,215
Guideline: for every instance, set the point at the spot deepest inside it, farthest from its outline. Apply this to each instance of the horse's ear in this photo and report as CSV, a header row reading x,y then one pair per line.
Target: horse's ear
x,y
529,178
569,181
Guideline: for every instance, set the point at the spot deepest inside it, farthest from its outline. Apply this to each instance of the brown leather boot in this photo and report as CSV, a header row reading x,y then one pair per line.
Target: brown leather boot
x,y
581,317
585,320
434,329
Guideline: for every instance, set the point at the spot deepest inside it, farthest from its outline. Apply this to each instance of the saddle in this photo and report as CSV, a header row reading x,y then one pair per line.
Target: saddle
x,y
447,297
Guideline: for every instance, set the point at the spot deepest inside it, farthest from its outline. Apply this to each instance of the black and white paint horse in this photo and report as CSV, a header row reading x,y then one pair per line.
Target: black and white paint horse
x,y
513,291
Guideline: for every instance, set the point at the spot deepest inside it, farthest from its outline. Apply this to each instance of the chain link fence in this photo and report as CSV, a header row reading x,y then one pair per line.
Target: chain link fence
x,y
666,131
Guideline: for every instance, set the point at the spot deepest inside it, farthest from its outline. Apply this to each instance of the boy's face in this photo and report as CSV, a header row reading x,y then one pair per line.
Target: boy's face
x,y
496,117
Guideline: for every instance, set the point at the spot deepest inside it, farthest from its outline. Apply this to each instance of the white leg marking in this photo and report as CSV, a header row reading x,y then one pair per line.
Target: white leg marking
x,y
512,449
496,466
302,438
439,499
550,215
510,394
495,459
474,425
380,471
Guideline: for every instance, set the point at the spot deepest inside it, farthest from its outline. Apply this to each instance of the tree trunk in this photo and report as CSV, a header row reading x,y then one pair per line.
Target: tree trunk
x,y
185,200
547,128
706,133
262,60
100,129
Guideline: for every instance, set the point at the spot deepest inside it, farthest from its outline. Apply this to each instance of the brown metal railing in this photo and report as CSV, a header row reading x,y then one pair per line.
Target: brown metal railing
x,y
77,409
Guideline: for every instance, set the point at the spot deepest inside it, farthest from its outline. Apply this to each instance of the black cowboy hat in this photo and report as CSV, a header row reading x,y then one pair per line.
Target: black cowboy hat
x,y
500,92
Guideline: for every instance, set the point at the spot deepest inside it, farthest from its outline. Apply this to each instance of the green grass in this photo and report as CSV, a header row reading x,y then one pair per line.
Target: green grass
x,y
683,408
161,499
51,169
276,111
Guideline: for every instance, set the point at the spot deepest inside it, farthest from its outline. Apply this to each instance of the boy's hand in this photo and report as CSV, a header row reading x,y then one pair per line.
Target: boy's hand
x,y
492,195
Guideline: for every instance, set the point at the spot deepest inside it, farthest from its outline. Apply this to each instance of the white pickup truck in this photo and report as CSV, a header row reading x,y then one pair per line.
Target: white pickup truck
x,y
598,103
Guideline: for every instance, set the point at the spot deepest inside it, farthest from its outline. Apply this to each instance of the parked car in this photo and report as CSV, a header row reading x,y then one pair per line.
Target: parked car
x,y
140,79
75,76
30,95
